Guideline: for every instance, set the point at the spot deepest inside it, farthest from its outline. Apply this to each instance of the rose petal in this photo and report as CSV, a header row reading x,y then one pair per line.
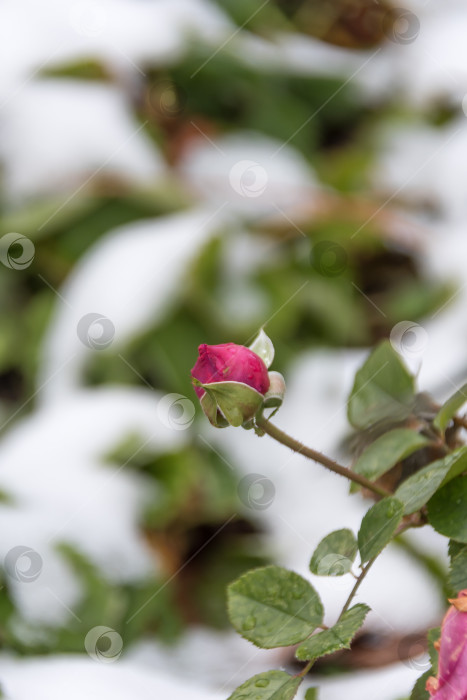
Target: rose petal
x,y
452,675
230,362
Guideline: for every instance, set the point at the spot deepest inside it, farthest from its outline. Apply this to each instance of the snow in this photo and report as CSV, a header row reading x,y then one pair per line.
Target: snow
x,y
389,683
248,172
51,144
129,279
434,66
78,677
423,165
236,660
123,34
440,181
193,659
62,492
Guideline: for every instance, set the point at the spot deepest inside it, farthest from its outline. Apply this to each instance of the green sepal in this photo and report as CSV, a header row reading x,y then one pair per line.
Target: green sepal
x,y
237,402
263,347
209,406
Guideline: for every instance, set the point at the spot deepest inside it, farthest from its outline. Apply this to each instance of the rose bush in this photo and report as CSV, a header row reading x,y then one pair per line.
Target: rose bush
x,y
273,607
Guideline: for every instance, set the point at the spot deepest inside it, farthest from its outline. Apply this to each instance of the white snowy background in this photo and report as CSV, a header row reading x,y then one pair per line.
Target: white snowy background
x,y
54,135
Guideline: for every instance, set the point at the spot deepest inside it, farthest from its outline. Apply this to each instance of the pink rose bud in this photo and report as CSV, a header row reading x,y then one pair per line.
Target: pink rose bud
x,y
451,683
230,363
235,380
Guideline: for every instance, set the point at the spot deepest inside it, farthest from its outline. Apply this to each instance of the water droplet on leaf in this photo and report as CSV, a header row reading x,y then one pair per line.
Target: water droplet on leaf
x,y
249,623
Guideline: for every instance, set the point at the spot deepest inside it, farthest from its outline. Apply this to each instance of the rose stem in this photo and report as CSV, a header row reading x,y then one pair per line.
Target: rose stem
x,y
357,586
277,434
308,666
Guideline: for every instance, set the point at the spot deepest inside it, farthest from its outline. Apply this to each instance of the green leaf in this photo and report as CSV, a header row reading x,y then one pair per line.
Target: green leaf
x,y
338,637
454,548
335,554
458,569
270,685
378,526
419,692
387,450
383,389
450,408
415,491
458,465
273,607
311,693
80,69
433,636
447,510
